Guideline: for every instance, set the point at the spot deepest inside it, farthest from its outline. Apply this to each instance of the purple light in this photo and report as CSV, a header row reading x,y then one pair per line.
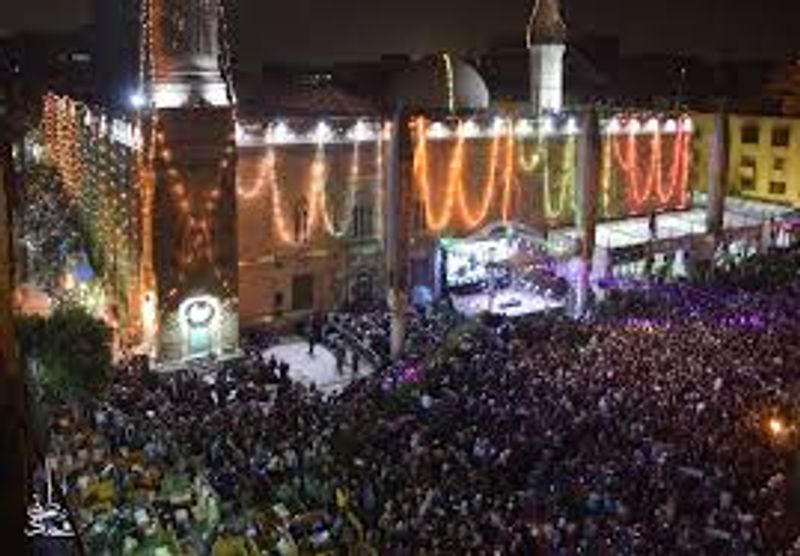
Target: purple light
x,y
410,375
407,374
745,321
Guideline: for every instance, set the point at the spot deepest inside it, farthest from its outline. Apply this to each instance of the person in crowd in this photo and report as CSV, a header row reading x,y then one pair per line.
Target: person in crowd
x,y
667,424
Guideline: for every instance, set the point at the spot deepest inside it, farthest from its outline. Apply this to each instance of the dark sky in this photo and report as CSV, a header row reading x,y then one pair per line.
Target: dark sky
x,y
320,30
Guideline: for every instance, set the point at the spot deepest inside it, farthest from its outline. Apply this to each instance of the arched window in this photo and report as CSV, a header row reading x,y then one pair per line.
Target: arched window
x,y
363,221
301,232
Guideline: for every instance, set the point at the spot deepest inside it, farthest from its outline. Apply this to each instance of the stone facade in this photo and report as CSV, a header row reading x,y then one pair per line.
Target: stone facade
x,y
195,235
298,252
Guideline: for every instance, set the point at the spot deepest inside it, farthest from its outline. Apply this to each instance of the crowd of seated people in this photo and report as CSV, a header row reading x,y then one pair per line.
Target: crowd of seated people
x,y
669,427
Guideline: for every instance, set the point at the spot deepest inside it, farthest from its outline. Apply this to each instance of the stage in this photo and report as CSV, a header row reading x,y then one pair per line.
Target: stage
x,y
510,302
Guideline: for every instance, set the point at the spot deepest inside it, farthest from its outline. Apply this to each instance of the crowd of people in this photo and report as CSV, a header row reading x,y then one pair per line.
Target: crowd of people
x,y
370,333
669,427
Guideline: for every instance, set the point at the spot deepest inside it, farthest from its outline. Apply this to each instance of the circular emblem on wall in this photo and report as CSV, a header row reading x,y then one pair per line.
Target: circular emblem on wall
x,y
199,314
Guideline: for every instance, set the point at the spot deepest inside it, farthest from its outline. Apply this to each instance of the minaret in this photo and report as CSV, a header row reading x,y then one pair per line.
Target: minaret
x,y
547,35
188,188
185,42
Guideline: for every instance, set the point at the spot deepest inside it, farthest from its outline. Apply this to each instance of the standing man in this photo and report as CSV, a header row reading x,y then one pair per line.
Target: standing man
x,y
311,337
314,331
341,353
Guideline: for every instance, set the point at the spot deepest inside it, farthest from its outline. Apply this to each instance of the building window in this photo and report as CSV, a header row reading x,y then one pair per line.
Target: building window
x,y
777,188
750,134
301,222
748,167
747,184
779,164
363,221
781,137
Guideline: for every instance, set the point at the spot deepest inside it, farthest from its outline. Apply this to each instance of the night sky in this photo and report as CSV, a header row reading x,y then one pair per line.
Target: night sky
x,y
322,30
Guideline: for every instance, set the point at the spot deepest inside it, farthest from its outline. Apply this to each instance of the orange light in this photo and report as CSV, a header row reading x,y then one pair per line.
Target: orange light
x,y
606,177
421,178
776,427
471,219
277,211
508,176
529,164
566,185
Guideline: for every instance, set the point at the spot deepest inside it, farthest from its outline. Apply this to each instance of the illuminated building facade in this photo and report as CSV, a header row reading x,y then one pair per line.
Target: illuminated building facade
x,y
763,156
209,221
187,173
214,221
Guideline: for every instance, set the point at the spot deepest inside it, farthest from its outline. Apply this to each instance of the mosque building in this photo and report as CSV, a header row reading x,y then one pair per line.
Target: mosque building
x,y
216,221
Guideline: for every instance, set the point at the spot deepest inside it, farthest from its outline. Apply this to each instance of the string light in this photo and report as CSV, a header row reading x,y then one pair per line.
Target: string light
x,y
530,163
322,133
352,189
605,178
629,164
471,219
433,222
450,82
566,184
508,177
641,189
93,157
546,125
438,130
524,128
470,129
614,126
380,172
315,197
280,133
277,212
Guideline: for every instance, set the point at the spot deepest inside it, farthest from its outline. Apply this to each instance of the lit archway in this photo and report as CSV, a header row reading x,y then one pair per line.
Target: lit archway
x,y
200,319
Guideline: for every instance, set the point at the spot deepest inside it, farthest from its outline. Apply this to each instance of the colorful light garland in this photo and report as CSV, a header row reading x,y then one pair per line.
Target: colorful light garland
x,y
473,219
321,213
509,181
566,185
646,187
94,158
529,163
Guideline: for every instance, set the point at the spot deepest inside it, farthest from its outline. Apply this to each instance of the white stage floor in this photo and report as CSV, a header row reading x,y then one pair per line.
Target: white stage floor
x,y
508,302
319,369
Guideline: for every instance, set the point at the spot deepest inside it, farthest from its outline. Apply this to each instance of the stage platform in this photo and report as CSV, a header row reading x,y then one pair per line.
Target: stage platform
x,y
318,369
510,302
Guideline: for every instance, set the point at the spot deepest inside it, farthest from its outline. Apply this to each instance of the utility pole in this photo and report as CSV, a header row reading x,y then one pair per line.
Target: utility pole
x,y
588,181
399,186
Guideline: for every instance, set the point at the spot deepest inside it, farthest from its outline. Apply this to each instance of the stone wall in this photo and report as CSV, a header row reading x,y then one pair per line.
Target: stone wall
x,y
195,238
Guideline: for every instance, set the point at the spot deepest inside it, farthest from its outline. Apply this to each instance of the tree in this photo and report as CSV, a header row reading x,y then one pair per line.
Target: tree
x,y
48,226
73,354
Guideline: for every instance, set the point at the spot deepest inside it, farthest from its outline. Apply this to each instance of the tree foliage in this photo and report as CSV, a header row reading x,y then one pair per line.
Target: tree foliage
x,y
48,225
73,353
